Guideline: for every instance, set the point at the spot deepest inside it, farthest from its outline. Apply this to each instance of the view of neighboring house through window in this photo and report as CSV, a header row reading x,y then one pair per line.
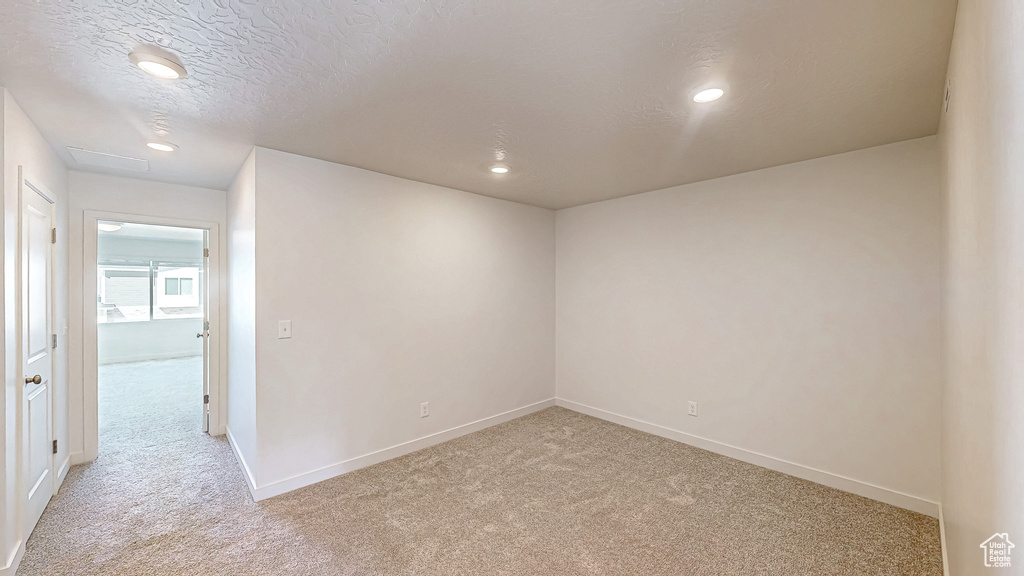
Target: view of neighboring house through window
x,y
123,294
134,293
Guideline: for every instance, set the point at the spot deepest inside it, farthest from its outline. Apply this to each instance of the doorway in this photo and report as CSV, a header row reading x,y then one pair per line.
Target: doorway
x,y
151,294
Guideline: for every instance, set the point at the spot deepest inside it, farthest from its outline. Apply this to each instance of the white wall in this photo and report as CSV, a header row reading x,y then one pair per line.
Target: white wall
x,y
399,293
241,388
983,424
155,340
105,193
800,306
23,145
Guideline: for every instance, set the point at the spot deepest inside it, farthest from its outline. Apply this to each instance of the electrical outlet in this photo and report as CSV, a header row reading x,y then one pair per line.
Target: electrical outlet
x,y
693,409
424,409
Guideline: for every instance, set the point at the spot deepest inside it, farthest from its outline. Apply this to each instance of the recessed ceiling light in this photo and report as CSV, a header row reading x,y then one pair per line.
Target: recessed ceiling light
x,y
499,169
157,62
709,95
162,146
109,226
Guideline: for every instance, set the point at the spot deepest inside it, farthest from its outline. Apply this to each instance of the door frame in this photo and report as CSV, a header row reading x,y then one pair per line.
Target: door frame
x,y
90,352
34,185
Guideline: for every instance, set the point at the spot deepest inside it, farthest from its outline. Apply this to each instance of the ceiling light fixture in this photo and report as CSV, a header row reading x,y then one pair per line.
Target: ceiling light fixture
x,y
499,169
162,146
157,62
109,227
709,95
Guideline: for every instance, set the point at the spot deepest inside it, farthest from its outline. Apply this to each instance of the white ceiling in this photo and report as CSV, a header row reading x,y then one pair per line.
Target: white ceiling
x,y
153,232
584,99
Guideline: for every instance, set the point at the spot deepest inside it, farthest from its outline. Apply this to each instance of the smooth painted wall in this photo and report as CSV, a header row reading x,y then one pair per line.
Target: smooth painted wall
x,y
800,306
241,305
23,145
983,424
399,293
155,340
104,193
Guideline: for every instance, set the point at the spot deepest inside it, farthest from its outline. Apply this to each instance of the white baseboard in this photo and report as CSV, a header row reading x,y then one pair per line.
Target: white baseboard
x,y
78,458
942,542
829,479
314,476
14,561
250,480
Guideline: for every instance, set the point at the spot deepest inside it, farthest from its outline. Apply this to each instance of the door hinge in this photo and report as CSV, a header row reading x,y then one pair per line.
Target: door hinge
x,y
54,345
206,252
53,235
206,398
54,446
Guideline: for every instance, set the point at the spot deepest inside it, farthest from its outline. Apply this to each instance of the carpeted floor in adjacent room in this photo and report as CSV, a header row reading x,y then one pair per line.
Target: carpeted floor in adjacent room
x,y
555,492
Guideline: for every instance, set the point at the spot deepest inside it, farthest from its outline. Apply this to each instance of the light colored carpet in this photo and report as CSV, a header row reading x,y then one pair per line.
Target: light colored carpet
x,y
555,492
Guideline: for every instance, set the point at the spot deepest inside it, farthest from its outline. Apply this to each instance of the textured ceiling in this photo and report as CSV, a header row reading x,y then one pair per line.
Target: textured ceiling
x,y
585,100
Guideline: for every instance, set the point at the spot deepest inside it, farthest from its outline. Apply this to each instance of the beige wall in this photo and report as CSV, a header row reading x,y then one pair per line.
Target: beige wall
x,y
983,424
23,145
800,306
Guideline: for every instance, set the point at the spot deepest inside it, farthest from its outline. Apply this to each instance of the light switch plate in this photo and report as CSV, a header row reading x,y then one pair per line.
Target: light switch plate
x,y
284,329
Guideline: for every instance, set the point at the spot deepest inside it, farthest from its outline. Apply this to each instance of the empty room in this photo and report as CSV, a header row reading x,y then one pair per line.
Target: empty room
x,y
524,287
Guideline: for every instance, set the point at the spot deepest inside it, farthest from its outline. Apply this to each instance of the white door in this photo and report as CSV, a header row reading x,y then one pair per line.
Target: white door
x,y
36,345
